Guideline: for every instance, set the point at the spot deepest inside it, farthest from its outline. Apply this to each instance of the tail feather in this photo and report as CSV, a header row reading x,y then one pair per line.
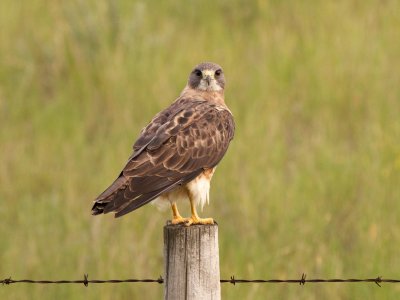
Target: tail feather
x,y
109,195
121,201
98,208
117,185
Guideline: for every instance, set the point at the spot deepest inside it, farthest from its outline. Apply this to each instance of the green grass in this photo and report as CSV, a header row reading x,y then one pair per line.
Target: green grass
x,y
311,182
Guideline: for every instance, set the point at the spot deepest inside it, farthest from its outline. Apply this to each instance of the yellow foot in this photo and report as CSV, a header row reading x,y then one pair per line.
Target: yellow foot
x,y
179,220
196,220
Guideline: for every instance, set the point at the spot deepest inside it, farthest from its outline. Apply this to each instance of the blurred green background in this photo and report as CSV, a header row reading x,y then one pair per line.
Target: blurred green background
x,y
310,183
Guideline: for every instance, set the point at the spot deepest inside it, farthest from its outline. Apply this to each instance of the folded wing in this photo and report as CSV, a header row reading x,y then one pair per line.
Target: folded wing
x,y
172,150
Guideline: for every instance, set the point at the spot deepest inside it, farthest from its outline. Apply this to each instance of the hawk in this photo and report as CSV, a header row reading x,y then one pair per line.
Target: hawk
x,y
176,154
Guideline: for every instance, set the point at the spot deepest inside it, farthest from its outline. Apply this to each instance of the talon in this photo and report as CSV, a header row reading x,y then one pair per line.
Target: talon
x,y
196,220
179,220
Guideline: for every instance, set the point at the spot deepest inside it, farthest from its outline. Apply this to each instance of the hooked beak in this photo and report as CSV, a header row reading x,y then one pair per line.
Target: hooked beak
x,y
208,79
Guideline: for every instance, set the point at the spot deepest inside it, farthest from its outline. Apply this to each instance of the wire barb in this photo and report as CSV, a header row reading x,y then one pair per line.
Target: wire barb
x,y
7,281
303,279
378,280
85,280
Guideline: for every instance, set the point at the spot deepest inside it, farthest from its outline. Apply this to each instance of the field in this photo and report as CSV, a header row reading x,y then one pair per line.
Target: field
x,y
311,182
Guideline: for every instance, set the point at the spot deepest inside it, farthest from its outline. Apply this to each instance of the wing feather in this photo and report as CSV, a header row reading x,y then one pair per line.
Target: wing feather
x,y
173,149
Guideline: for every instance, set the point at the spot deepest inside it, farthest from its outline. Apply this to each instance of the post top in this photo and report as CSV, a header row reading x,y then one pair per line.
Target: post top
x,y
169,225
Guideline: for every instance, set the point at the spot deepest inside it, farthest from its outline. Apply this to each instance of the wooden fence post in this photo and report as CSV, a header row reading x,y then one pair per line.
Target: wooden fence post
x,y
191,260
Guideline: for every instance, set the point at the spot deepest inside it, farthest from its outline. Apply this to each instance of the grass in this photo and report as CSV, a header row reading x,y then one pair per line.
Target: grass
x,y
311,179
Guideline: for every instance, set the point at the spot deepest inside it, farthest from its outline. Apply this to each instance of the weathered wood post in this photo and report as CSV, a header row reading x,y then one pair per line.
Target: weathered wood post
x,y
191,260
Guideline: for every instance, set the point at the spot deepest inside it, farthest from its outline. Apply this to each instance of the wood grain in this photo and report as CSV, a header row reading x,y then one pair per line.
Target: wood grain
x,y
191,262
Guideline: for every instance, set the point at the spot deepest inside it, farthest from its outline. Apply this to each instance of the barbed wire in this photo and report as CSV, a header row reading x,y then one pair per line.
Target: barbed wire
x,y
85,281
302,281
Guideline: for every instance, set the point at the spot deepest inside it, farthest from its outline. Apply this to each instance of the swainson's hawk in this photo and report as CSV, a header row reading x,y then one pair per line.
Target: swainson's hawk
x,y
176,154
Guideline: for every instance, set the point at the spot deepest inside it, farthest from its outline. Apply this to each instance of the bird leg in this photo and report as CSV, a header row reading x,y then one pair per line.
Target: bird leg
x,y
195,219
177,218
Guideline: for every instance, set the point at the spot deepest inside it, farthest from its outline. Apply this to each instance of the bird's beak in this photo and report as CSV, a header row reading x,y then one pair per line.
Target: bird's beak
x,y
208,79
208,76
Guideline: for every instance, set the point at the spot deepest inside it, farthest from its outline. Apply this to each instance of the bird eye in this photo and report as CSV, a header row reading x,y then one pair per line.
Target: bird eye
x,y
218,72
197,72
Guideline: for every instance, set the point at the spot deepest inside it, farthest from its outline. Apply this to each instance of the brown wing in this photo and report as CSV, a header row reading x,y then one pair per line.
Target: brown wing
x,y
173,149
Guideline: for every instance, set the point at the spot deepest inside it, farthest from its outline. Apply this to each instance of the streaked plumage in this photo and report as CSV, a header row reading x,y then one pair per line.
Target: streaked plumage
x,y
177,152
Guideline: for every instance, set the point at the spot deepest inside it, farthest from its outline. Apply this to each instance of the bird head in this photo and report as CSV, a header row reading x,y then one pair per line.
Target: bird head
x,y
207,76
